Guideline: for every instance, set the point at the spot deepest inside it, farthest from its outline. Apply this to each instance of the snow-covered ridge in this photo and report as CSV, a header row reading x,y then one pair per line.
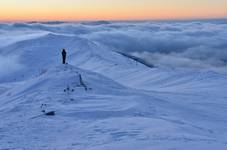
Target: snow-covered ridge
x,y
63,76
103,99
38,54
93,107
189,44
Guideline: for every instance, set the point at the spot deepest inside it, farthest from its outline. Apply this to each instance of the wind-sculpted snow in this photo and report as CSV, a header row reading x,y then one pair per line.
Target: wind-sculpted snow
x,y
126,85
104,114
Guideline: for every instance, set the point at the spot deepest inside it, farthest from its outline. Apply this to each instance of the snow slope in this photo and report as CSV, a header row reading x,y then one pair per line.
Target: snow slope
x,y
106,116
124,105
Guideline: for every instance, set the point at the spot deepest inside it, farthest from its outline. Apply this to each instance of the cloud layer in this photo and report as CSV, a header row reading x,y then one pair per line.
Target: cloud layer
x,y
191,44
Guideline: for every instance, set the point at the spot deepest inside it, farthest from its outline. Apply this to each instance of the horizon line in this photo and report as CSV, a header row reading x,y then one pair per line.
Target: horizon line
x,y
116,20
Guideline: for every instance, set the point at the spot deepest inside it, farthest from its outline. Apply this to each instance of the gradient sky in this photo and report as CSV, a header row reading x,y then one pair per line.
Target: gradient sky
x,y
16,10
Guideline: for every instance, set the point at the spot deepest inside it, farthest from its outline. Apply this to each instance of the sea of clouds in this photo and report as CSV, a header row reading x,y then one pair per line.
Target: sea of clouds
x,y
176,44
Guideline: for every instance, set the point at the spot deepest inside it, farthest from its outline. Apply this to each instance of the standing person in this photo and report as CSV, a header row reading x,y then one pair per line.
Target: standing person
x,y
63,56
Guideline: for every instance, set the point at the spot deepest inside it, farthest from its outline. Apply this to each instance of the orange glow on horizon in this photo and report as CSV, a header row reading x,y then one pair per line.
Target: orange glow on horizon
x,y
75,10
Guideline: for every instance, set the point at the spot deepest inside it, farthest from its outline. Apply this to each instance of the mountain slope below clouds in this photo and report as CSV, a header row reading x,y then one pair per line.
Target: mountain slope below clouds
x,y
124,105
36,55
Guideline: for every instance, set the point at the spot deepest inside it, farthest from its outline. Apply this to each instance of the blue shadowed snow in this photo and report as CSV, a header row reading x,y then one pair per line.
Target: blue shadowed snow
x,y
105,100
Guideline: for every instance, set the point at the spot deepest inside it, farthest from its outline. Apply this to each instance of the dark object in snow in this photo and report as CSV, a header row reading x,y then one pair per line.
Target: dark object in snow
x,y
51,113
137,59
68,89
82,82
63,56
43,107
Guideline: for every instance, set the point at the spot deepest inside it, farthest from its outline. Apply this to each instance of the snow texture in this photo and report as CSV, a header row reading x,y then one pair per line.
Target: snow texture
x,y
104,100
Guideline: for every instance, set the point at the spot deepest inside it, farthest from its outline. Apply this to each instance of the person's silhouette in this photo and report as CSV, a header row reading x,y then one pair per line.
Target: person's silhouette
x,y
63,56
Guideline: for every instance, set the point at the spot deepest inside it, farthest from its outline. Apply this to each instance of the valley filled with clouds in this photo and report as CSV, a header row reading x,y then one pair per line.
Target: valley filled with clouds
x,y
174,44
